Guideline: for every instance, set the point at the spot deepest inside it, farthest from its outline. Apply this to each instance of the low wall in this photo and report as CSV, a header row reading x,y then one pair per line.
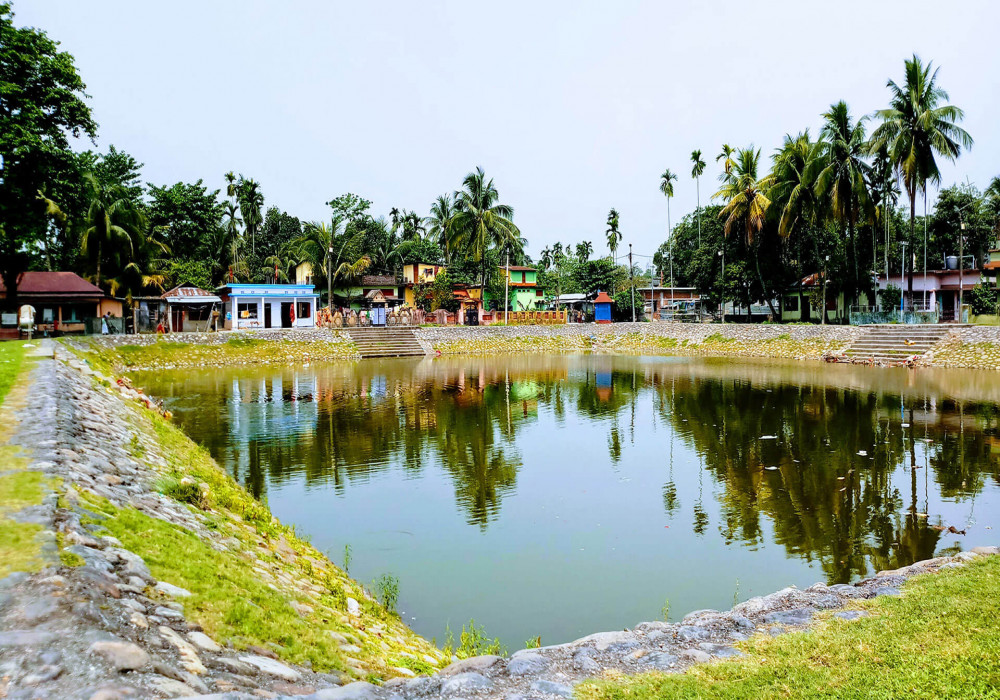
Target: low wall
x,y
299,335
976,347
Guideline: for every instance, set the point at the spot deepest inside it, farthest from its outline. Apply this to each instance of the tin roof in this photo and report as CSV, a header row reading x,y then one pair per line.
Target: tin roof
x,y
603,298
44,283
188,290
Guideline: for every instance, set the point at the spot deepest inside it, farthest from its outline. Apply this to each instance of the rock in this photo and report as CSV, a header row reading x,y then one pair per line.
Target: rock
x,y
659,660
42,674
886,590
172,688
695,656
610,641
691,633
359,690
527,663
720,650
13,579
168,613
138,620
172,590
469,681
203,641
692,616
985,550
271,667
123,656
133,565
800,616
350,649
850,614
552,688
476,663
190,660
353,607
742,623
134,605
584,661
26,638
113,693
39,610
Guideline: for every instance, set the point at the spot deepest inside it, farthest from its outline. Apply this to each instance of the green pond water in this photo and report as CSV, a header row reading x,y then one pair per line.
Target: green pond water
x,y
559,496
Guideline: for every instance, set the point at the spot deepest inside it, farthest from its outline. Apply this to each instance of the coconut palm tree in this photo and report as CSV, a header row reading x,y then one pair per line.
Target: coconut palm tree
x,y
545,259
481,222
439,221
747,204
916,127
584,250
726,156
612,232
114,225
843,177
696,171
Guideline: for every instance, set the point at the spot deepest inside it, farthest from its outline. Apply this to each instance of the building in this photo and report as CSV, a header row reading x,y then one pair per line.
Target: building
x,y
796,305
64,302
937,291
602,308
353,296
268,305
657,299
418,273
523,292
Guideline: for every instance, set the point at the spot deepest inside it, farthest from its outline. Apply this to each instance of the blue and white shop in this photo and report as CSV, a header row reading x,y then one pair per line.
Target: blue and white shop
x,y
269,305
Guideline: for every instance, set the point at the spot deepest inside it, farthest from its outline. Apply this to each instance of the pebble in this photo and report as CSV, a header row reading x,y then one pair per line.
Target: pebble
x,y
552,688
123,656
172,590
527,663
462,682
271,667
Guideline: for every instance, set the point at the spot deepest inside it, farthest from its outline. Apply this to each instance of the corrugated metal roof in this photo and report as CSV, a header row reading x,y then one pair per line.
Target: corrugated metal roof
x,y
55,283
188,290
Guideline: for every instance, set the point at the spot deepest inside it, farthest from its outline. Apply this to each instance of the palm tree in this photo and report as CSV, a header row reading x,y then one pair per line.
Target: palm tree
x,y
844,173
251,201
747,204
229,246
667,188
612,232
546,258
914,128
314,246
726,156
114,226
439,221
696,171
584,250
480,221
232,185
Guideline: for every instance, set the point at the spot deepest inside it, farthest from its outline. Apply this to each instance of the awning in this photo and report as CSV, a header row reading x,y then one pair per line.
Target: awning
x,y
194,300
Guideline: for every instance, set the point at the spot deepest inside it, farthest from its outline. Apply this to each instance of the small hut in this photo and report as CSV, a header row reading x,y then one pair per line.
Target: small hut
x,y
376,302
602,308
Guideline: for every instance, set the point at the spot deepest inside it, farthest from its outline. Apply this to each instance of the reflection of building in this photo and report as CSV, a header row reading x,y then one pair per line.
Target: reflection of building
x,y
269,305
63,301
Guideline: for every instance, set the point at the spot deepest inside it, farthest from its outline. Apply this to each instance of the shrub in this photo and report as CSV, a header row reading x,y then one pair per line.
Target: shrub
x,y
983,299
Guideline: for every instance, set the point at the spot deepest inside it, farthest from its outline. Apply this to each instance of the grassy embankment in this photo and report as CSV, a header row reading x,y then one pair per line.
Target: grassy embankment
x,y
714,345
19,542
264,586
954,353
939,640
237,350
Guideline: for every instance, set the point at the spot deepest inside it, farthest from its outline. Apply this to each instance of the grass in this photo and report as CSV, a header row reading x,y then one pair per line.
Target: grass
x,y
939,640
19,547
11,357
20,489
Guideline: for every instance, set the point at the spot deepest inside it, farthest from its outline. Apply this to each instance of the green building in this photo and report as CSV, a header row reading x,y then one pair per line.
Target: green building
x,y
523,292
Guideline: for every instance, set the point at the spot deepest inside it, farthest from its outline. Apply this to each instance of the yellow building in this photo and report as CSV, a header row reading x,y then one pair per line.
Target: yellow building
x,y
419,273
304,273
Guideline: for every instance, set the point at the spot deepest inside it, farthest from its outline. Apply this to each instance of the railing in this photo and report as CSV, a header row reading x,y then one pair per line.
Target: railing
x,y
533,318
913,314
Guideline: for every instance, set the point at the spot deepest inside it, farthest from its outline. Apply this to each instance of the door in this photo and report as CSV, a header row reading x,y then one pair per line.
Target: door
x,y
286,314
267,314
378,315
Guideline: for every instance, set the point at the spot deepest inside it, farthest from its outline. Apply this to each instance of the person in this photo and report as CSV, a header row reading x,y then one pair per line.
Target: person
x,y
104,323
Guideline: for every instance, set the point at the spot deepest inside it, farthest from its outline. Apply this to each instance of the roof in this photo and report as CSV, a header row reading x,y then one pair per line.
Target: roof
x,y
43,283
603,298
190,294
522,268
378,280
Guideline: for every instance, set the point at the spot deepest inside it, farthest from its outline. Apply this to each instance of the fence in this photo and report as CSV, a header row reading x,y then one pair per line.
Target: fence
x,y
869,315
533,318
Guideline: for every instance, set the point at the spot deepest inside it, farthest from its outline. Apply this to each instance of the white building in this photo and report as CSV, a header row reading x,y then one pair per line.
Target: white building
x,y
269,305
935,291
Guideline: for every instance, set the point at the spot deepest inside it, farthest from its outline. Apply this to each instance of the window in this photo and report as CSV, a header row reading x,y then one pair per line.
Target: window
x,y
199,313
524,276
539,292
48,315
791,303
303,310
428,272
246,310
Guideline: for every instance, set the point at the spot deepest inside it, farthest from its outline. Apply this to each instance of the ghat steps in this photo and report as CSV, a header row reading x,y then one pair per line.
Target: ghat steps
x,y
896,342
386,342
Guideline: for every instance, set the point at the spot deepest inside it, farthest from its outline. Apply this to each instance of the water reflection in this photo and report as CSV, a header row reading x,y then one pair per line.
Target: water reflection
x,y
845,469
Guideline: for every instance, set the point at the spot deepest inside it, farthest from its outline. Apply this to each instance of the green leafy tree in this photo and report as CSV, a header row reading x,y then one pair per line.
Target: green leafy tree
x,y
185,217
667,188
41,106
279,229
584,250
439,220
481,222
115,226
915,128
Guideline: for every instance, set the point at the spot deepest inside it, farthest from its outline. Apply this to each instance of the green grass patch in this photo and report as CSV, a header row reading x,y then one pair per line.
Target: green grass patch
x,y
228,599
717,338
19,547
939,640
11,358
21,489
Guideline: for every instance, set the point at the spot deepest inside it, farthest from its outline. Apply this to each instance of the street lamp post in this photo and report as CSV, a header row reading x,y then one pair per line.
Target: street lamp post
x,y
722,293
826,267
902,274
631,291
329,281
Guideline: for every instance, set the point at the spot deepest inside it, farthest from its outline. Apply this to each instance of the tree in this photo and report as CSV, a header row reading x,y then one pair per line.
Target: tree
x,y
726,156
667,188
280,228
481,222
185,217
251,201
42,105
914,128
584,250
698,167
747,204
843,178
115,224
439,220
612,232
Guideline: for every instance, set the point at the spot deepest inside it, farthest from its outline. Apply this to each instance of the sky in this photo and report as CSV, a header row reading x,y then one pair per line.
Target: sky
x,y
572,108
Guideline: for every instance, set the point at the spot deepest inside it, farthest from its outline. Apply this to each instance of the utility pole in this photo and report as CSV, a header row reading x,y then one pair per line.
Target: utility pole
x,y
329,280
961,263
722,294
631,281
902,274
506,291
826,265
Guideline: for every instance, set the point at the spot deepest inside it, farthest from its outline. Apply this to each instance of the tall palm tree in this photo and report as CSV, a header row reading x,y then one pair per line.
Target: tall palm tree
x,y
747,204
545,259
667,188
612,232
584,250
251,201
113,226
843,179
229,247
726,156
914,128
232,185
439,221
481,222
696,171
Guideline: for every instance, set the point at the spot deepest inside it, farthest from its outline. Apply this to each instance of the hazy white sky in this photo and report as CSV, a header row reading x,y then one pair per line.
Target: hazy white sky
x,y
571,107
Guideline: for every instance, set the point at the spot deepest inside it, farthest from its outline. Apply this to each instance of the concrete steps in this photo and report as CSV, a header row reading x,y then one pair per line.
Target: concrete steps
x,y
386,342
896,342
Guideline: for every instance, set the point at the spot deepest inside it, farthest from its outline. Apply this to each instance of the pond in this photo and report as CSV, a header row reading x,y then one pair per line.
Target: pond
x,y
556,496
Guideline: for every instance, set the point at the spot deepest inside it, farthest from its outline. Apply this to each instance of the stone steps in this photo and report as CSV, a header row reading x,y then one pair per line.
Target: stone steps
x,y
894,343
386,342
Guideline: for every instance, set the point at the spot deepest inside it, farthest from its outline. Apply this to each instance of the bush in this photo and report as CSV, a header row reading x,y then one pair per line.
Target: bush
x,y
983,299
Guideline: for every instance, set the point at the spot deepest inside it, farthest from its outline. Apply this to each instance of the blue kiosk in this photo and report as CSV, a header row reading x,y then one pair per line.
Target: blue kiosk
x,y
602,308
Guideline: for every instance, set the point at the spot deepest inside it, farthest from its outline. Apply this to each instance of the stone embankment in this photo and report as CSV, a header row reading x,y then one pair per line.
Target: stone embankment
x,y
128,592
690,339
975,347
